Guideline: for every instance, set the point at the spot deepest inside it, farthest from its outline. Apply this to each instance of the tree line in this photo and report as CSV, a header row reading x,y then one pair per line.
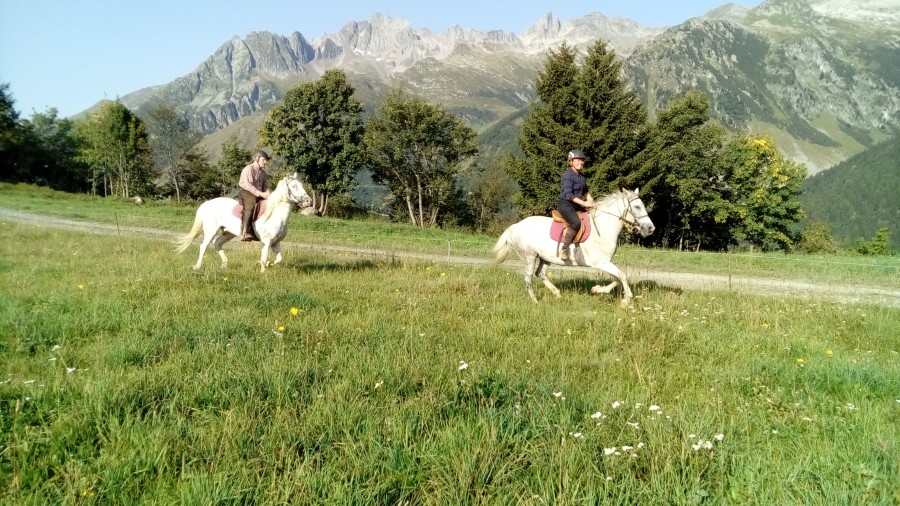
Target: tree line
x,y
708,189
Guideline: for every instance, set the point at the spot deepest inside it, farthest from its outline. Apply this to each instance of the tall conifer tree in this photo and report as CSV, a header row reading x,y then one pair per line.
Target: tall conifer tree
x,y
582,106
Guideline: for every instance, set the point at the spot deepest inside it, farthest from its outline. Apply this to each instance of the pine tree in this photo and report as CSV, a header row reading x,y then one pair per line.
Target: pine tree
x,y
585,107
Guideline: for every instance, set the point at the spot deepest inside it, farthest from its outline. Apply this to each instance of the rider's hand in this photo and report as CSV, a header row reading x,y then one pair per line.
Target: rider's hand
x,y
266,194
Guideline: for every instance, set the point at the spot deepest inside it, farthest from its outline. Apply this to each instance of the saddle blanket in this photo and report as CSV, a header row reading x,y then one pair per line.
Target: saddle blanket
x,y
557,227
239,208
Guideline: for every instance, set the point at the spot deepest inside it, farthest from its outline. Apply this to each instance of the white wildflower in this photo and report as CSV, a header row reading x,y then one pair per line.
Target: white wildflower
x,y
719,437
596,416
609,451
616,405
463,365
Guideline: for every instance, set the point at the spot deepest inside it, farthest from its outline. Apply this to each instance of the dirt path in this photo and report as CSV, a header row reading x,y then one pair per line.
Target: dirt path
x,y
839,293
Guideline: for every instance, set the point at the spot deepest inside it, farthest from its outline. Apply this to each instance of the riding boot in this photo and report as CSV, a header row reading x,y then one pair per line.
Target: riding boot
x,y
245,229
569,236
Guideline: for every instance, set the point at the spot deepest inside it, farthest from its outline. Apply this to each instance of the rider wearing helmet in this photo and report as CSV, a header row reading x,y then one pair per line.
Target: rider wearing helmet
x,y
573,197
253,189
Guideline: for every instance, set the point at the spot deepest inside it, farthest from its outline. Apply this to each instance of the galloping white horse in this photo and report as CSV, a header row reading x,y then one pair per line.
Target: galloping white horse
x,y
216,219
530,238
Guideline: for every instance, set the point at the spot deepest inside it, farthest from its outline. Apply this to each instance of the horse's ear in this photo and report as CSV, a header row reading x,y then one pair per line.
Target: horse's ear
x,y
636,190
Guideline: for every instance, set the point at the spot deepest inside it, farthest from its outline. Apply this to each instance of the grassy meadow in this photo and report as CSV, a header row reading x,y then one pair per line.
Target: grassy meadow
x,y
337,378
388,238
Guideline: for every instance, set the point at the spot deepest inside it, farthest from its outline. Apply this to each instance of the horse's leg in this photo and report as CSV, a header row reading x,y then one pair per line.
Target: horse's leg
x,y
264,257
207,238
614,271
218,245
529,272
276,248
597,289
541,273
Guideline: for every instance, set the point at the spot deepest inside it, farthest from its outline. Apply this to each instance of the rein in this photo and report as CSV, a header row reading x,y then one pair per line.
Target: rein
x,y
631,225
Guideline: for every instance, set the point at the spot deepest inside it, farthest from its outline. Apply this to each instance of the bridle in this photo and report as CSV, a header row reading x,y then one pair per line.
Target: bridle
x,y
294,197
629,224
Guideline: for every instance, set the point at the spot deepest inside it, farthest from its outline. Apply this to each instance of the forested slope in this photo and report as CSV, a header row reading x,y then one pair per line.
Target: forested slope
x,y
858,196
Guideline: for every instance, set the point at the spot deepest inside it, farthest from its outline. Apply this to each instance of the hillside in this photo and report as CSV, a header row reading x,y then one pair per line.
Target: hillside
x,y
859,195
819,77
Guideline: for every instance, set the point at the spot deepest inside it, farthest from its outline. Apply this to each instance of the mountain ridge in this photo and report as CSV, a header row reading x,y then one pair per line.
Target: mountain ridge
x,y
800,70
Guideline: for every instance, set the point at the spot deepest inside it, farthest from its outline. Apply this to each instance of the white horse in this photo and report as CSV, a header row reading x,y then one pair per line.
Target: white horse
x,y
217,220
530,238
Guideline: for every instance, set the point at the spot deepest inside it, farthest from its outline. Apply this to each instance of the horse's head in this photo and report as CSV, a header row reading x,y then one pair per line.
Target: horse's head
x,y
296,192
635,215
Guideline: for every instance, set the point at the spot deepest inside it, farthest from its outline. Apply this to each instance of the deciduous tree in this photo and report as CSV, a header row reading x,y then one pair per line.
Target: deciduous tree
x,y
416,148
171,139
116,147
680,178
764,189
318,129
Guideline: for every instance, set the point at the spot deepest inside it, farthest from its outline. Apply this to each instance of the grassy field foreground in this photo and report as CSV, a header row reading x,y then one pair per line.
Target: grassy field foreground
x,y
126,377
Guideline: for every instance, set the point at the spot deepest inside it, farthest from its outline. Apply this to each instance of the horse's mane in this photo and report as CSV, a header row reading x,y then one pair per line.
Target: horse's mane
x,y
609,199
278,195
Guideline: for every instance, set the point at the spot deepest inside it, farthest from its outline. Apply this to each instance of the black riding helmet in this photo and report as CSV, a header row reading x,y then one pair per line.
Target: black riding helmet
x,y
576,154
260,153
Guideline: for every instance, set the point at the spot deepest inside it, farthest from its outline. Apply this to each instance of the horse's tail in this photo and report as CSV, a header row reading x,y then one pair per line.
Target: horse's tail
x,y
188,238
501,249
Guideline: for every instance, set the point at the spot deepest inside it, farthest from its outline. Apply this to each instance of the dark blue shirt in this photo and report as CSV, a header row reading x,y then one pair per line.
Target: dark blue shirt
x,y
573,185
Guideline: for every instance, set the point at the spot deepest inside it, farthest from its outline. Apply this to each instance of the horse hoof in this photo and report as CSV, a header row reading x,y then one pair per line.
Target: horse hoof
x,y
195,268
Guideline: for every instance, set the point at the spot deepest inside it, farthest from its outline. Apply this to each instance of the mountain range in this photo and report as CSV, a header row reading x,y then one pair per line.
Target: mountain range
x,y
821,76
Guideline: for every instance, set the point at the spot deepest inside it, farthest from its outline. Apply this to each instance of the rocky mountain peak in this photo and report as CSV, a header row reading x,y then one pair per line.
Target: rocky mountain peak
x,y
546,27
808,70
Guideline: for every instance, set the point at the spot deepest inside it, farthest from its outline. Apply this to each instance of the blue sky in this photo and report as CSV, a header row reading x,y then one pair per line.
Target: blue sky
x,y
70,54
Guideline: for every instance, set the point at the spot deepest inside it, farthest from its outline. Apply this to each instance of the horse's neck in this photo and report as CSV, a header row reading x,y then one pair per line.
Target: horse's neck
x,y
607,225
277,199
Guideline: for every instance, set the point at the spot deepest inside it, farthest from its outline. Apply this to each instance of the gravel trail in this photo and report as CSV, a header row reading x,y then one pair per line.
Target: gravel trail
x,y
877,295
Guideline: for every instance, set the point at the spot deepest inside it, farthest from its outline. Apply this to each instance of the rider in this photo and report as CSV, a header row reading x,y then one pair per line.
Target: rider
x,y
253,188
573,197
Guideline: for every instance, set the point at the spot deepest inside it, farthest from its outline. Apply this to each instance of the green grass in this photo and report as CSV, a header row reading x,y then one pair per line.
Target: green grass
x,y
129,378
388,237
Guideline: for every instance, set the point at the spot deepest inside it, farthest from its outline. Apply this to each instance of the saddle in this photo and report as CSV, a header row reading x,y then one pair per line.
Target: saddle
x,y
260,207
559,225
238,209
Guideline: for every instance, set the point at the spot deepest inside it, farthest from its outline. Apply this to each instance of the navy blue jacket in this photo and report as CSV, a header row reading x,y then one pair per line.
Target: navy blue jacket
x,y
573,185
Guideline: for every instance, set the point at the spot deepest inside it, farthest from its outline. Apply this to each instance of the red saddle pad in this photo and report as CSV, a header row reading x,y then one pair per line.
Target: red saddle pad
x,y
239,208
557,227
